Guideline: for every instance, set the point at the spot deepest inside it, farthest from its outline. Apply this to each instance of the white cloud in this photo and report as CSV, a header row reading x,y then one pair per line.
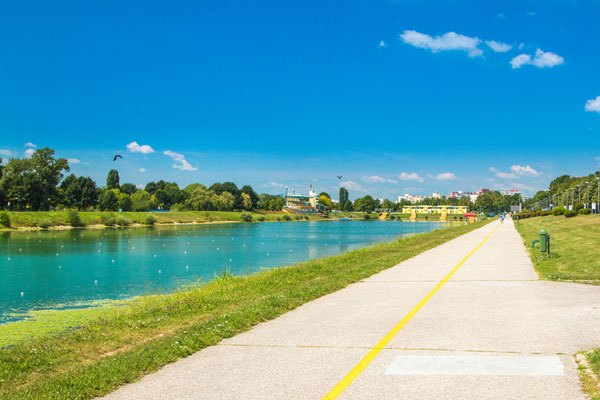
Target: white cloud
x,y
541,59
139,186
351,185
501,16
498,47
142,170
448,41
593,105
382,44
521,186
445,176
524,170
29,152
134,147
29,144
5,153
545,59
413,176
520,60
377,179
275,184
73,161
493,169
505,175
180,162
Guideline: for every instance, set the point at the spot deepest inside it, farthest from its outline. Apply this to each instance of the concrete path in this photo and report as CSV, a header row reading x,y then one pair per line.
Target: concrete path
x,y
493,331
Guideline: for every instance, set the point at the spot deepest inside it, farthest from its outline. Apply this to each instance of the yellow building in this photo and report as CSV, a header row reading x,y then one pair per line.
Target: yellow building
x,y
422,209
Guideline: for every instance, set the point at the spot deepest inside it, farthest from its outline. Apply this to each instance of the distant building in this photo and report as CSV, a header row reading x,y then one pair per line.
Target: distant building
x,y
410,198
302,202
422,209
436,195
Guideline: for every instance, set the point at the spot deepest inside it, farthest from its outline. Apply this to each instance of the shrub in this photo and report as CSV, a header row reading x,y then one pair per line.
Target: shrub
x,y
578,206
247,217
585,211
392,217
108,219
306,217
286,218
150,219
559,211
298,217
367,217
570,213
122,221
278,218
178,207
4,219
73,218
261,218
545,213
45,224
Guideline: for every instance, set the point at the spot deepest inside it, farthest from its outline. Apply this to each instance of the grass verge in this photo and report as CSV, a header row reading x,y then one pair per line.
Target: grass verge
x,y
573,245
128,342
36,219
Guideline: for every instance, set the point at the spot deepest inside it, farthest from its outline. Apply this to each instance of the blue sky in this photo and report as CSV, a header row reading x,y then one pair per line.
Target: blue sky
x,y
395,96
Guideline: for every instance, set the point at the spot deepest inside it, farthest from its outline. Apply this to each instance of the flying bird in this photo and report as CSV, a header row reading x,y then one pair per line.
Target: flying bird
x,y
117,156
339,176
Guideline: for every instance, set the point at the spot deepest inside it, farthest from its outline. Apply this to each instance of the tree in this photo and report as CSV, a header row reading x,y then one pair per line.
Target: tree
x,y
128,188
50,173
366,203
250,192
246,201
110,201
343,196
325,200
140,200
79,192
112,181
125,202
388,205
225,201
347,206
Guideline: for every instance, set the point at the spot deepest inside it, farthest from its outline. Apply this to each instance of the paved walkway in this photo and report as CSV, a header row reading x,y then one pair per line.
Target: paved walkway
x,y
492,331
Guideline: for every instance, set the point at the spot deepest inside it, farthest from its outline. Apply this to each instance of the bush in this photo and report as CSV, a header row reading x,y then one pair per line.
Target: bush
x,y
306,217
367,217
73,218
585,211
247,217
570,213
286,218
278,218
45,224
122,221
545,213
108,219
4,219
298,217
392,217
578,206
150,219
178,207
558,211
261,218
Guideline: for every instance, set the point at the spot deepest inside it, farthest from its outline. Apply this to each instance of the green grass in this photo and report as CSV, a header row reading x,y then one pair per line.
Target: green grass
x,y
32,219
125,343
573,257
574,247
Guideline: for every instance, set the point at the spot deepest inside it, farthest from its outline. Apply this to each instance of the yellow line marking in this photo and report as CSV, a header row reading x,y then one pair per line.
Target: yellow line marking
x,y
360,367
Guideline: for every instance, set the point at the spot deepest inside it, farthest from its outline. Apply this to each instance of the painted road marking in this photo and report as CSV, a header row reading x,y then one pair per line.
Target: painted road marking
x,y
476,365
360,367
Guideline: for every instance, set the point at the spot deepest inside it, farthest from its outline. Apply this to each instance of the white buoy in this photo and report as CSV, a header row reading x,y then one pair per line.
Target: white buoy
x,y
8,258
155,256
187,267
185,252
60,266
22,294
230,260
217,248
95,282
133,248
160,271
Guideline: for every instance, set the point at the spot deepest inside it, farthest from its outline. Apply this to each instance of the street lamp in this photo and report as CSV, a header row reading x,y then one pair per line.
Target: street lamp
x,y
587,203
598,193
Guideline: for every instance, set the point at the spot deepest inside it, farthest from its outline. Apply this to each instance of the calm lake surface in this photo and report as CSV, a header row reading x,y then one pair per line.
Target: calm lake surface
x,y
62,269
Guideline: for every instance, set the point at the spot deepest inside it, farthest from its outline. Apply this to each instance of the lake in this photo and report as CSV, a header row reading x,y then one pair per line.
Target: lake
x,y
71,268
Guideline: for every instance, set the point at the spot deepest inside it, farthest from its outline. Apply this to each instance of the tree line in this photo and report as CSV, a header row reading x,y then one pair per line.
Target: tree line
x,y
38,183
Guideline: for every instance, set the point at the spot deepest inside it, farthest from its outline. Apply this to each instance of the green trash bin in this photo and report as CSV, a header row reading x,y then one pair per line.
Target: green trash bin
x,y
543,241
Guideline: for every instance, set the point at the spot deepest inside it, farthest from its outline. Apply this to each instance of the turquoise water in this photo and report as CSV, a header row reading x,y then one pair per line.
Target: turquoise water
x,y
50,269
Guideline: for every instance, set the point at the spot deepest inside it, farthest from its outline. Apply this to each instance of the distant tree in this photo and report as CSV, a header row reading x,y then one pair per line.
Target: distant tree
x,y
366,203
125,202
388,205
225,201
246,201
325,200
343,196
112,181
150,188
140,200
110,201
128,188
79,192
250,192
347,206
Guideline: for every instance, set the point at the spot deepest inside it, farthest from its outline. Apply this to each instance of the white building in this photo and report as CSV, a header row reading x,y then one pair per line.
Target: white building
x,y
436,195
409,197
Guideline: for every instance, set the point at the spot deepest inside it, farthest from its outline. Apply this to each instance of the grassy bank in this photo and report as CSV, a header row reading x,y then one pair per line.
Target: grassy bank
x,y
34,219
573,257
574,252
149,332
